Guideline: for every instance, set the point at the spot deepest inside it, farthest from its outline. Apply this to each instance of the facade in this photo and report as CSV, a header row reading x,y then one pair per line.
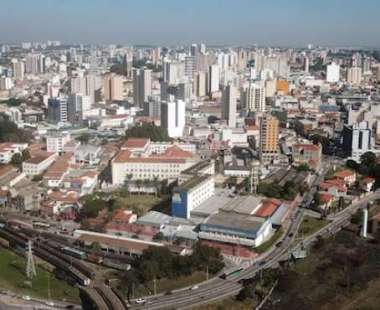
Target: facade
x,y
229,102
354,76
191,194
333,73
113,87
269,131
357,140
38,164
252,98
213,79
55,141
146,166
57,110
142,86
173,117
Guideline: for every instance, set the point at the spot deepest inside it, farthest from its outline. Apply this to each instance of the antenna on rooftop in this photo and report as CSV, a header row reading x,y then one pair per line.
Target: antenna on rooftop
x,y
30,266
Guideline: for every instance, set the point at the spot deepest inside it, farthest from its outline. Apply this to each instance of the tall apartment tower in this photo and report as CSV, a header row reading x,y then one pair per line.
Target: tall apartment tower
x,y
269,130
18,70
213,79
333,73
229,101
252,98
142,86
354,76
173,117
113,87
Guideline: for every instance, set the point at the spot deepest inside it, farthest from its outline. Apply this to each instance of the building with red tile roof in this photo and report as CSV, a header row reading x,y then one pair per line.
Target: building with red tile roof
x,y
348,176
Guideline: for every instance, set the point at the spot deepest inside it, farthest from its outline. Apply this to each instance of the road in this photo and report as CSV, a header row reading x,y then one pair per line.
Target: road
x,y
218,289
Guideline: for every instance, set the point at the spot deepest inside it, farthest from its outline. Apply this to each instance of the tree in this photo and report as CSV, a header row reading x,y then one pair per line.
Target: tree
x,y
156,184
352,164
84,138
138,184
303,167
245,293
127,181
368,159
16,159
9,132
148,130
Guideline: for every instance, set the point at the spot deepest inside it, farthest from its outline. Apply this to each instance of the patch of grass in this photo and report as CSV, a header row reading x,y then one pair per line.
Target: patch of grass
x,y
311,225
267,245
165,285
12,277
140,204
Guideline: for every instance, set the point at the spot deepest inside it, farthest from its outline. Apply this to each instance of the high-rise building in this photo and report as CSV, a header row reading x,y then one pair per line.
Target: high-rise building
x,y
86,85
173,72
354,76
173,117
5,83
213,79
357,140
113,87
252,98
142,86
18,70
269,131
57,110
77,104
190,66
333,73
34,63
229,101
200,84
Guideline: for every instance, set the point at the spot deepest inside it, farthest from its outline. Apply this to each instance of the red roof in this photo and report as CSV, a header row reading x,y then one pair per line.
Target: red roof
x,y
344,174
133,229
136,143
368,180
325,197
308,147
176,152
269,206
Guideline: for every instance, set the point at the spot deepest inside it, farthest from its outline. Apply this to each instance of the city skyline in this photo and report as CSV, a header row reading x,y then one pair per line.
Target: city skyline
x,y
168,22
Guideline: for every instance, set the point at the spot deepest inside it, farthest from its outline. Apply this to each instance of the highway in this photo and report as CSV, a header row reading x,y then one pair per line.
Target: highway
x,y
218,289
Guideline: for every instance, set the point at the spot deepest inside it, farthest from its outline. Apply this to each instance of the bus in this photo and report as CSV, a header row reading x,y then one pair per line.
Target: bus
x,y
231,272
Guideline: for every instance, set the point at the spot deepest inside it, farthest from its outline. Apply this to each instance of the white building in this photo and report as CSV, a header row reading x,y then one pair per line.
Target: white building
x,y
252,98
38,164
137,162
173,117
6,83
213,79
55,141
333,73
8,149
357,140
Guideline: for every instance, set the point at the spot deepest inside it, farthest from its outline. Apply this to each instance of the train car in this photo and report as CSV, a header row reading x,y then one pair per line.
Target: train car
x,y
74,252
41,225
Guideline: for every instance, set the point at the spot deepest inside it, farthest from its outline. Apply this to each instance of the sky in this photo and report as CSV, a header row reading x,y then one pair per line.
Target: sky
x,y
350,23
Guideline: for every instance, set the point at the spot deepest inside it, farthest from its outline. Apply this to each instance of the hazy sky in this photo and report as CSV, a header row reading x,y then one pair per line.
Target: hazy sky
x,y
266,22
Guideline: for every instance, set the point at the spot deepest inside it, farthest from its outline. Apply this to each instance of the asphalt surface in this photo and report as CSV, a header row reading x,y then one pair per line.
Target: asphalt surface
x,y
217,289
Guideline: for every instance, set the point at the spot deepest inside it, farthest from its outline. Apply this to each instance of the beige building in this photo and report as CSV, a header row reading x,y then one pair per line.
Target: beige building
x,y
354,76
113,87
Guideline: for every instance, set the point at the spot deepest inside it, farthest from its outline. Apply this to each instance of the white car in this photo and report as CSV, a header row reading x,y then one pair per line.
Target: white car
x,y
26,297
195,287
140,301
49,303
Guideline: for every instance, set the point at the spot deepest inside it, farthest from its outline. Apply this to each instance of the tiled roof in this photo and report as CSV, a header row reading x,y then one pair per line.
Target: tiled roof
x,y
136,143
344,174
269,206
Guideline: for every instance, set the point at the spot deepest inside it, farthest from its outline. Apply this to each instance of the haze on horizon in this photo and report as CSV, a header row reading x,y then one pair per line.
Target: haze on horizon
x,y
347,23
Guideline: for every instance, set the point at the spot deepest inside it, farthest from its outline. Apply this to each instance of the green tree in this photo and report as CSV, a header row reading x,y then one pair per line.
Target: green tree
x,y
148,130
368,159
16,159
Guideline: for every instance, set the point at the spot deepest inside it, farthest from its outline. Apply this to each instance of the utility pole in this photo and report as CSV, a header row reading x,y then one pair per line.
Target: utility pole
x,y
207,273
154,287
30,267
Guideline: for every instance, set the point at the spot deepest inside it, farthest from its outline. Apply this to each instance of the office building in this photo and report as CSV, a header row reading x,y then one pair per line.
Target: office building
x,y
229,101
34,63
190,66
173,117
77,105
57,110
200,84
56,140
86,85
269,131
357,140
